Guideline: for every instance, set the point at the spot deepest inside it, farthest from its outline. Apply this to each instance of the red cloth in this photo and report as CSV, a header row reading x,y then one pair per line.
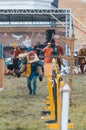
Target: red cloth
x,y
15,52
31,53
60,50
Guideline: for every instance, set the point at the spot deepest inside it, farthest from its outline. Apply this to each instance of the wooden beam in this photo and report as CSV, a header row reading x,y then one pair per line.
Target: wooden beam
x,y
29,29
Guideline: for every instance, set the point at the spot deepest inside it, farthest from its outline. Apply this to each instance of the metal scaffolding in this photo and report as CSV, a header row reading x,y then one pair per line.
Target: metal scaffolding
x,y
37,18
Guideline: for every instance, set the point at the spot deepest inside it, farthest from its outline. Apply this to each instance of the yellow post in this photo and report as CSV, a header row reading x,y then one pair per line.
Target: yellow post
x,y
54,98
51,106
60,83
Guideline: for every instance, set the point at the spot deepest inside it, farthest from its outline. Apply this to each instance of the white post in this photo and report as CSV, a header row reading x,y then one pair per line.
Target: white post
x,y
65,107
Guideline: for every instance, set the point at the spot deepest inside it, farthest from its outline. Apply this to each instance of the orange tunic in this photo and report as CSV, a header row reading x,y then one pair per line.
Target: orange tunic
x,y
48,53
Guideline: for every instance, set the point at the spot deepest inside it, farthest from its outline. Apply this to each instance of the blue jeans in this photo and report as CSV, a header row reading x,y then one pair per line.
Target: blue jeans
x,y
31,84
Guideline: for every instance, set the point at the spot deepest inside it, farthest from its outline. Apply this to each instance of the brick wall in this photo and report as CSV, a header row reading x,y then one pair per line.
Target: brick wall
x,y
78,9
7,39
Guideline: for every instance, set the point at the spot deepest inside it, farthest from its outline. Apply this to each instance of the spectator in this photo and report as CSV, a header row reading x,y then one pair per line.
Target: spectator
x,y
38,48
54,47
59,48
81,59
15,52
48,53
60,51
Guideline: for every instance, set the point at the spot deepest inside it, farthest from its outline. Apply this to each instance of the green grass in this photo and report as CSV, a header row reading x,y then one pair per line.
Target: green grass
x,y
21,111
77,114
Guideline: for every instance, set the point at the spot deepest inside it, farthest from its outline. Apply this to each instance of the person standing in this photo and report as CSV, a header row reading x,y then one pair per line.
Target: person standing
x,y
14,53
48,53
60,51
81,59
48,56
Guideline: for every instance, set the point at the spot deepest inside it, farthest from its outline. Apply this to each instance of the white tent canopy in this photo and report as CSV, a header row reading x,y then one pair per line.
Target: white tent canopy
x,y
26,4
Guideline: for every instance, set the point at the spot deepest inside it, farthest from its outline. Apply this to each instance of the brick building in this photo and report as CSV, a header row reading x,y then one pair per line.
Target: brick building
x,y
78,10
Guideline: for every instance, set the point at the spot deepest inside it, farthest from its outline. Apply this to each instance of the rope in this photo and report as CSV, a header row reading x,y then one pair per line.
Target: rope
x,y
78,21
79,29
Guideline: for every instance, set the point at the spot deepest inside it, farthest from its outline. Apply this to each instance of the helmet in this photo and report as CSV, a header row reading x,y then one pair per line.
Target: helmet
x,y
14,45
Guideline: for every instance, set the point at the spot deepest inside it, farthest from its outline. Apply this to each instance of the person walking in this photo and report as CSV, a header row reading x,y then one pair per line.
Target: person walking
x,y
31,72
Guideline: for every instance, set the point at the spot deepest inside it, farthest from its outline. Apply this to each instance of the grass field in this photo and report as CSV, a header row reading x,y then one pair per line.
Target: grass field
x,y
21,111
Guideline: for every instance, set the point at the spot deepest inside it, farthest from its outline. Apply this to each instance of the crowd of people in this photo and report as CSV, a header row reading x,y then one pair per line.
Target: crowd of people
x,y
32,63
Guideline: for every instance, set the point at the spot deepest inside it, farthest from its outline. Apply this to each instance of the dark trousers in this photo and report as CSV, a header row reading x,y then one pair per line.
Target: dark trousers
x,y
82,68
16,64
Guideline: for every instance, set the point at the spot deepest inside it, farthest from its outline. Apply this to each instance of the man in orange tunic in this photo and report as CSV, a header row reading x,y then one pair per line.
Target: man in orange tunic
x,y
48,53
